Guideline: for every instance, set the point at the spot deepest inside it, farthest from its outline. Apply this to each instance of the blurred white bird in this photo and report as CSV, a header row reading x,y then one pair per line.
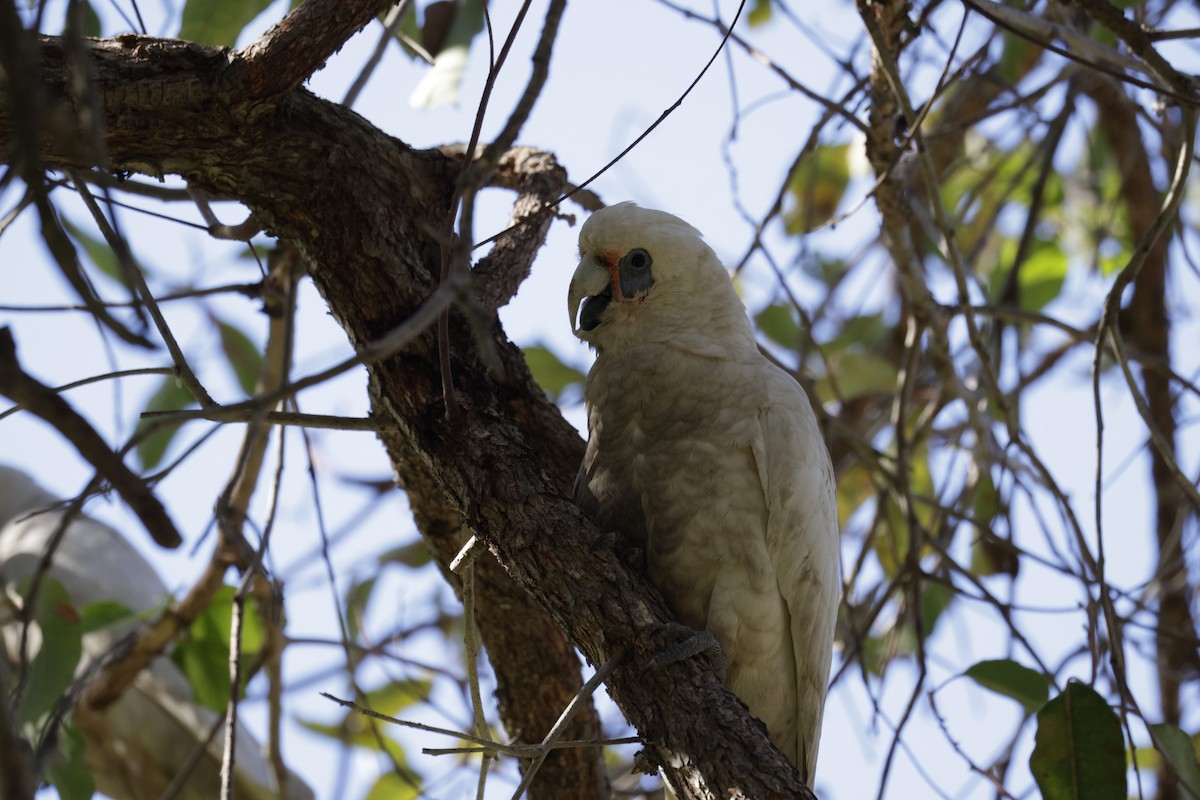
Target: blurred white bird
x,y
708,458
136,746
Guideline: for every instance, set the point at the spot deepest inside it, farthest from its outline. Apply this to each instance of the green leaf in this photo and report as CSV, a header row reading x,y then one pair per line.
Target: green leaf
x,y
865,333
991,555
171,395
856,375
935,599
551,374
817,186
891,539
355,729
394,697
91,20
441,83
1012,57
408,28
1005,676
98,252
103,614
358,597
203,655
68,773
760,14
1042,275
391,786
1180,751
244,356
53,668
778,323
218,22
824,269
415,554
1078,753
986,501
1112,257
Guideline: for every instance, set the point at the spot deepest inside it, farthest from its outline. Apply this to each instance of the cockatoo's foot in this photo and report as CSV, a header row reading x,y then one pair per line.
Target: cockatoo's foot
x,y
633,556
685,642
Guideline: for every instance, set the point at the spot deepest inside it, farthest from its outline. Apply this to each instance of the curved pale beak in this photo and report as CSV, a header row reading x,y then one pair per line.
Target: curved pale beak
x,y
590,279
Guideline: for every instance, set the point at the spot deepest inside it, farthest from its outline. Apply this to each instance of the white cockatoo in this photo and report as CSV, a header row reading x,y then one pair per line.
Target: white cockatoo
x,y
138,744
707,457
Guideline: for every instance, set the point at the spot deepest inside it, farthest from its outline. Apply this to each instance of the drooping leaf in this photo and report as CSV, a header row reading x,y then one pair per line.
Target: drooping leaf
x,y
171,395
778,323
91,20
391,786
1112,256
935,599
897,643
68,773
863,333
1011,679
203,655
991,555
441,83
394,697
408,28
244,356
891,539
855,487
1012,56
53,668
817,186
855,375
355,729
986,500
760,14
218,22
551,374
1078,753
98,252
358,597
103,614
1042,275
413,555
823,268
1180,751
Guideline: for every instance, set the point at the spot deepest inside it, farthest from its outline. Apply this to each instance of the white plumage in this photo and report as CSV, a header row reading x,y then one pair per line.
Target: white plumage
x,y
708,457
138,744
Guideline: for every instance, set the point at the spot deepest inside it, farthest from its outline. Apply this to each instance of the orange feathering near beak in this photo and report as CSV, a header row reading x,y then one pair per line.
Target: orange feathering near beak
x,y
612,262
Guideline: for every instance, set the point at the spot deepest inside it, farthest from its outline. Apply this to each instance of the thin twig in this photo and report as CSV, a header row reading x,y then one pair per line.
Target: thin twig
x,y
579,701
44,402
119,247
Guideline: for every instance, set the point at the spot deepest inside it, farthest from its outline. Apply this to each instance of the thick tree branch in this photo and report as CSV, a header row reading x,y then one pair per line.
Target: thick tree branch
x,y
363,207
298,45
533,683
539,181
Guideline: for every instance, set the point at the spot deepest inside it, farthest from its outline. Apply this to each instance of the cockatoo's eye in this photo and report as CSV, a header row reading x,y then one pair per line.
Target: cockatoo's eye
x,y
635,274
638,259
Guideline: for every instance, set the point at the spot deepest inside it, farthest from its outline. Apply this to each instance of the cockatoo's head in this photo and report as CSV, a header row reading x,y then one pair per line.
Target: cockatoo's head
x,y
647,275
20,494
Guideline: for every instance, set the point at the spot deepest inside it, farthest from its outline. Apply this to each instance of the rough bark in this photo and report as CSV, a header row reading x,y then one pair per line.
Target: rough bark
x,y
362,207
537,672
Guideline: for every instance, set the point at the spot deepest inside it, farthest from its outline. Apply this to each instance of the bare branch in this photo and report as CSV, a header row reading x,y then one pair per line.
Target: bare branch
x,y
45,403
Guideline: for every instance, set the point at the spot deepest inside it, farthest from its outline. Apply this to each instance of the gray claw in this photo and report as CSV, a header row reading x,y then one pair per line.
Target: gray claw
x,y
689,643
